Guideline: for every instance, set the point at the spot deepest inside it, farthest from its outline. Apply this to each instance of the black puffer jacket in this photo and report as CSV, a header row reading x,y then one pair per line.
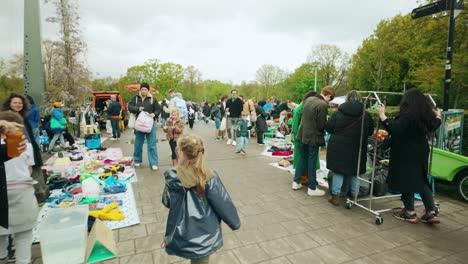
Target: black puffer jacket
x,y
343,147
260,124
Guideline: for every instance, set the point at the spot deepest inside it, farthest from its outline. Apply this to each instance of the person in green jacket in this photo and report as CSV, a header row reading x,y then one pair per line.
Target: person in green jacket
x,y
295,127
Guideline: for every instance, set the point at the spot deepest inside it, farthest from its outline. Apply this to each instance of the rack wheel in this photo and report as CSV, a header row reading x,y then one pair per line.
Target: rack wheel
x,y
349,205
378,220
437,208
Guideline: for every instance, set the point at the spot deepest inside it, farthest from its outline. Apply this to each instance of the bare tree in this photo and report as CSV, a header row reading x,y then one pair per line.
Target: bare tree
x,y
269,77
332,64
72,51
14,66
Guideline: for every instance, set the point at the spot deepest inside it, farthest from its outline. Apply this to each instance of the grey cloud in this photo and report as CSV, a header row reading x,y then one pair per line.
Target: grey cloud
x,y
226,40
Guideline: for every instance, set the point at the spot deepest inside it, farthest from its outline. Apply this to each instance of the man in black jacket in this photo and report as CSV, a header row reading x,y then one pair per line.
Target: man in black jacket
x,y
234,107
145,102
114,115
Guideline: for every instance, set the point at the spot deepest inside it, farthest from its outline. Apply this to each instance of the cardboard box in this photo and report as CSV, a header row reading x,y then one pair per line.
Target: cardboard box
x,y
101,243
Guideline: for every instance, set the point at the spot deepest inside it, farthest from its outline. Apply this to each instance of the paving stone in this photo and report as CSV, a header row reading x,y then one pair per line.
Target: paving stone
x,y
146,258
301,242
230,241
274,231
126,248
387,257
132,232
331,254
148,243
307,256
250,254
250,237
276,248
296,226
280,260
155,228
408,252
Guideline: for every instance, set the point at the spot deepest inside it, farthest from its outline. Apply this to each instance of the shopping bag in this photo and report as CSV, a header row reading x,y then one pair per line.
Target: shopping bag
x,y
253,116
93,141
144,122
131,120
222,127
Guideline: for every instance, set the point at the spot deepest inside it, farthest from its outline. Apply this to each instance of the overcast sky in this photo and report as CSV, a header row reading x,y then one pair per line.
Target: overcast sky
x,y
225,40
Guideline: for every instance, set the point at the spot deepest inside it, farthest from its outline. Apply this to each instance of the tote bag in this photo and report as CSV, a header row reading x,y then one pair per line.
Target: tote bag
x,y
132,117
222,127
144,123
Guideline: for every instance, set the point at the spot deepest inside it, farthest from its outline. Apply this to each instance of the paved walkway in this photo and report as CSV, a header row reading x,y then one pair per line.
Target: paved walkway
x,y
284,226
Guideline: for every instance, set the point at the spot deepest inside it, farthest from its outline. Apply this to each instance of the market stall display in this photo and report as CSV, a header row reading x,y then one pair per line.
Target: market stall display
x,y
99,179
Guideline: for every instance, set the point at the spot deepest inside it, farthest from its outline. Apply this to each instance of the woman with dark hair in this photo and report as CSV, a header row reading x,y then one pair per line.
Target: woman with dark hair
x,y
19,104
409,153
345,141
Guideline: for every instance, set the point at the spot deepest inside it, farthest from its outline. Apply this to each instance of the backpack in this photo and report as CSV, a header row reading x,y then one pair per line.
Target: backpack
x,y
182,105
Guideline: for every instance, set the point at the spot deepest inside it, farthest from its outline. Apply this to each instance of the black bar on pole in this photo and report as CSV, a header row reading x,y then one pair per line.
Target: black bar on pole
x,y
448,62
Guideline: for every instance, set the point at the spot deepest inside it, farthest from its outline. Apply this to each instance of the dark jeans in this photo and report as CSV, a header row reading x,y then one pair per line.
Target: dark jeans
x,y
308,156
115,127
426,196
260,137
173,145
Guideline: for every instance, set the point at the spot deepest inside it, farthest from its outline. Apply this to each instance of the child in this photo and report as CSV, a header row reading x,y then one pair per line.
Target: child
x,y
197,202
242,133
174,127
22,204
216,113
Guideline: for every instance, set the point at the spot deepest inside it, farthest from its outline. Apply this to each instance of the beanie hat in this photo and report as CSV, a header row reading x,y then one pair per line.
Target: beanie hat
x,y
144,85
262,103
57,104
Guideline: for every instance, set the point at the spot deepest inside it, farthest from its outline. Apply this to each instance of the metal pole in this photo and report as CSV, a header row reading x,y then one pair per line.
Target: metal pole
x,y
34,76
315,79
448,62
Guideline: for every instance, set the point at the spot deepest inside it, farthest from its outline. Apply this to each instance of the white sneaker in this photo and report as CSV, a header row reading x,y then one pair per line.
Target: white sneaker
x,y
234,143
229,141
316,192
154,167
113,139
296,186
137,164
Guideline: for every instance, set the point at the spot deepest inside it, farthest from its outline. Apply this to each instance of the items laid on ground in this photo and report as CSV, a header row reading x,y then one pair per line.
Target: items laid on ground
x,y
85,183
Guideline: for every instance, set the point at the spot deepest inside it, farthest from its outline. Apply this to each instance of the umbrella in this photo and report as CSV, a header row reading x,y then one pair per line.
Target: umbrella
x,y
136,87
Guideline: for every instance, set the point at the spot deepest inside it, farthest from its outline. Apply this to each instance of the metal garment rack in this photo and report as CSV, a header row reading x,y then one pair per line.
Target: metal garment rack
x,y
355,201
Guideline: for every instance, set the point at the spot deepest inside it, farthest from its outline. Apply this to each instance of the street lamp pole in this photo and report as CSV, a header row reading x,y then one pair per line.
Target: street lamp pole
x,y
404,85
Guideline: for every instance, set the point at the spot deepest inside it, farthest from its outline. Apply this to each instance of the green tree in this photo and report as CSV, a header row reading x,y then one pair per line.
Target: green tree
x,y
301,81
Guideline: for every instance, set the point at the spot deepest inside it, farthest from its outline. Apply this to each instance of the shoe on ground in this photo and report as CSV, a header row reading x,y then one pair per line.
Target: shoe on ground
x,y
404,216
430,218
154,167
229,142
233,143
137,164
113,139
218,139
335,200
296,186
243,151
316,192
118,138
238,151
261,144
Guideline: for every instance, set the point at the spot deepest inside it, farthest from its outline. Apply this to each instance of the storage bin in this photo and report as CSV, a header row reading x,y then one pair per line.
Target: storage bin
x,y
63,233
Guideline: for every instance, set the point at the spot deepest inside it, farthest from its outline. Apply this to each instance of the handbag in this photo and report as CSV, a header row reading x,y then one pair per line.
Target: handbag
x,y
144,122
222,127
132,117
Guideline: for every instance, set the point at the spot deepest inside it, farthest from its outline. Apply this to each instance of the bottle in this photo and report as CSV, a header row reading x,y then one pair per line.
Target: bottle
x,y
12,141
